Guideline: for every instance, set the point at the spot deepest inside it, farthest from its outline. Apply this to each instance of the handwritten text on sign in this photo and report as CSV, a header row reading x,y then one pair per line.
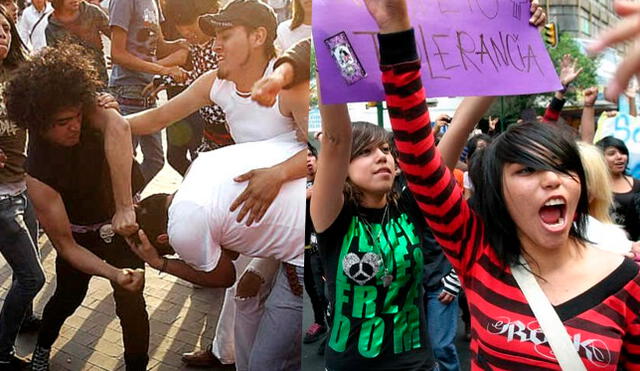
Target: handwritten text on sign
x,y
466,47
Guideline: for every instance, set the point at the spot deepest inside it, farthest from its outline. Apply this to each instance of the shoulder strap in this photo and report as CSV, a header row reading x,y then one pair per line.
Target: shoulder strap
x,y
548,319
44,14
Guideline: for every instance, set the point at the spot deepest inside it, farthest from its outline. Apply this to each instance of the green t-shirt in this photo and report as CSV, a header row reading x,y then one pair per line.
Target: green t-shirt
x,y
374,276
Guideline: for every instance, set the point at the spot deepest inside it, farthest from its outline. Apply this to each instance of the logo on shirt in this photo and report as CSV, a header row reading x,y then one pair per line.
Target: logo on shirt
x,y
7,128
594,350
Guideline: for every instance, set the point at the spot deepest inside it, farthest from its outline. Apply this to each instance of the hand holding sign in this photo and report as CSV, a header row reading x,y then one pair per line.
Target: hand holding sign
x,y
466,48
390,15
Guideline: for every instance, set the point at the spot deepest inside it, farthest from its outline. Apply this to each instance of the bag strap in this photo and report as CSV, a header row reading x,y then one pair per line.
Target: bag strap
x,y
547,317
37,23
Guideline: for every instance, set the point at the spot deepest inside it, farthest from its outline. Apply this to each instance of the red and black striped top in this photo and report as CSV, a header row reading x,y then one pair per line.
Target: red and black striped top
x,y
603,322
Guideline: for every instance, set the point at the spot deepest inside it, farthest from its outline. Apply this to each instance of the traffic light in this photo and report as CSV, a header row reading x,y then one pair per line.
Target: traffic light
x,y
372,104
551,34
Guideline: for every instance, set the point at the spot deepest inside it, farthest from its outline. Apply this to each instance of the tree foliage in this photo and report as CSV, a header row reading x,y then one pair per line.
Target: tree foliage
x,y
510,108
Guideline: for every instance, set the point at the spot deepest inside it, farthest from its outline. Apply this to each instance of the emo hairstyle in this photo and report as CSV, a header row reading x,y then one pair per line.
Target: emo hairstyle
x,y
186,12
616,143
540,147
312,149
152,214
54,79
598,182
17,54
364,135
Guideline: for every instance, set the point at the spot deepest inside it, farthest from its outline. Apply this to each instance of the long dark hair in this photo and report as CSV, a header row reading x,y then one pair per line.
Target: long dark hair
x,y
539,146
616,143
17,51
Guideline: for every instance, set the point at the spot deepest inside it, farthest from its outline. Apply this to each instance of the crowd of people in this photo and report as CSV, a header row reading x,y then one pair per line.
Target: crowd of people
x,y
528,229
535,225
80,80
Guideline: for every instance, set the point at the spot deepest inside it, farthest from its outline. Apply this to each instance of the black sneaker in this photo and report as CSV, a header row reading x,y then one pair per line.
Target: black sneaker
x,y
314,333
40,359
30,324
15,364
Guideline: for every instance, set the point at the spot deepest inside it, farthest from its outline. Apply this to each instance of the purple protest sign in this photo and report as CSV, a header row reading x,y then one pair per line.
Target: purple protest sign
x,y
466,47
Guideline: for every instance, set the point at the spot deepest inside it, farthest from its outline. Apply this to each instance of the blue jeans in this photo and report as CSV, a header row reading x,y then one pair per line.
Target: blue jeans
x,y
150,145
442,320
19,247
278,343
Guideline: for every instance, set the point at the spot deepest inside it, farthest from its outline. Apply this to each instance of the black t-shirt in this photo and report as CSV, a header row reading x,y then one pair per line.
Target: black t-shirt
x,y
625,211
80,174
375,327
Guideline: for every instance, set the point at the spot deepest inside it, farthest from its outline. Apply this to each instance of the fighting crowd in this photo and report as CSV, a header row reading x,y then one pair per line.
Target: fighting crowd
x,y
79,87
530,228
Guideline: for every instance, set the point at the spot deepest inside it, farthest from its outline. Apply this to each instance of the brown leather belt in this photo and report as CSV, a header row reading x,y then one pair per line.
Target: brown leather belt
x,y
136,102
292,277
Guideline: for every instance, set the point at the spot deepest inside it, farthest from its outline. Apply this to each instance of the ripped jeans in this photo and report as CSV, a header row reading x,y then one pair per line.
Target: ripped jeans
x,y
19,247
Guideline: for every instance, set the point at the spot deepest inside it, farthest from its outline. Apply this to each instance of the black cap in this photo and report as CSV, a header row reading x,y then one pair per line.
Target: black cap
x,y
251,13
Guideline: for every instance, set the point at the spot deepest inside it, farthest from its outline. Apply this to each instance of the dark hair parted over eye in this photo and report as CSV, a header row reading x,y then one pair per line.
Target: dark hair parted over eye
x,y
536,146
616,143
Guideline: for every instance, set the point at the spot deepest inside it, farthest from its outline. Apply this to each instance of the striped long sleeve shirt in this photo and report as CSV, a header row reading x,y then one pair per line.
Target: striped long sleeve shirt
x,y
603,322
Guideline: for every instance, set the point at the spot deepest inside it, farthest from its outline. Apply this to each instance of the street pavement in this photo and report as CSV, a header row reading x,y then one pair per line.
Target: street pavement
x,y
182,317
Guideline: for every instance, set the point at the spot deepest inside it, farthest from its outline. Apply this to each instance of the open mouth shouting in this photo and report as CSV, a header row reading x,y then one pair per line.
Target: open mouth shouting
x,y
553,214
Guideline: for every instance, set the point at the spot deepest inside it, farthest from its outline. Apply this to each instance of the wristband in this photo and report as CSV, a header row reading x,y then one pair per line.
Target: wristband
x,y
163,269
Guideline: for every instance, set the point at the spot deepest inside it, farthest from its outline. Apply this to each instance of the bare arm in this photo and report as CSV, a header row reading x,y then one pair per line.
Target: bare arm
x,y
467,115
119,153
53,217
181,106
295,102
120,55
223,275
333,164
588,120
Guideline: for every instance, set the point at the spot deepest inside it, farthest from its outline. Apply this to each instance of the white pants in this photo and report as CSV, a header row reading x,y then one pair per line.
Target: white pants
x,y
239,317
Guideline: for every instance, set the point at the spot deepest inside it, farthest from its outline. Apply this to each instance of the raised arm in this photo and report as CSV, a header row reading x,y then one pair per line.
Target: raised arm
x,y
181,106
53,217
333,165
588,119
455,227
464,120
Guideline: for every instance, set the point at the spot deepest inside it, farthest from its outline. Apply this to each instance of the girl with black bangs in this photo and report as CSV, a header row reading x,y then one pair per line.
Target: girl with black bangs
x,y
530,211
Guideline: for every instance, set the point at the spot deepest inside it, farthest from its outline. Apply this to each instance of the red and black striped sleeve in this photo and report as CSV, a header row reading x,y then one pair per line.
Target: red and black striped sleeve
x,y
454,225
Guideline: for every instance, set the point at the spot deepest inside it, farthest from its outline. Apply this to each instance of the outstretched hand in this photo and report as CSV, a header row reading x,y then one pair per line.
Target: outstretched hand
x,y
626,30
390,15
568,71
